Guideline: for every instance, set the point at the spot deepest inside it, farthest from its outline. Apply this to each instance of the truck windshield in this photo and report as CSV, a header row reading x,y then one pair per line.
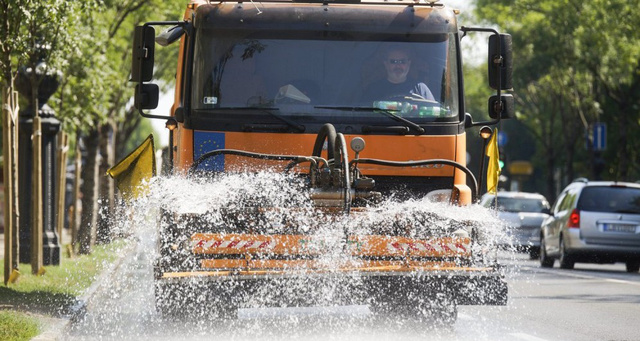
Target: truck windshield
x,y
418,80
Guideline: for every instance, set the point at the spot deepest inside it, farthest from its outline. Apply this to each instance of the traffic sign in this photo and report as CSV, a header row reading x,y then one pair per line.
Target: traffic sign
x,y
599,136
520,168
502,139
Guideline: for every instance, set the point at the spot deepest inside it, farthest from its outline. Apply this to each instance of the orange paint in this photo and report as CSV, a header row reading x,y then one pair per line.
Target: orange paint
x,y
308,245
386,147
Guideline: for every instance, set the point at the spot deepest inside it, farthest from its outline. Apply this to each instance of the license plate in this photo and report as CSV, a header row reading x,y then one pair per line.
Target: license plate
x,y
619,228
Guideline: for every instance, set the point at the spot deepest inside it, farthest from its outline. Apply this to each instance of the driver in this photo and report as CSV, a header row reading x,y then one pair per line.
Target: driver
x,y
397,63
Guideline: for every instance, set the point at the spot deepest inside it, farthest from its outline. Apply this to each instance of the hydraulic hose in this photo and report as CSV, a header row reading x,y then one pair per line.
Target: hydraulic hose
x,y
474,189
342,162
327,132
293,158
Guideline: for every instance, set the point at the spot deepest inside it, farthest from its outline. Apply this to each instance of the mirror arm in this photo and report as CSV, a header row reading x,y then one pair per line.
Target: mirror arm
x,y
498,104
465,29
154,116
475,124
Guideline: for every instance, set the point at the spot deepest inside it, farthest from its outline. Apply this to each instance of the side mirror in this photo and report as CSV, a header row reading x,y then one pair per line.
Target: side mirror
x,y
147,96
170,35
503,108
143,50
500,62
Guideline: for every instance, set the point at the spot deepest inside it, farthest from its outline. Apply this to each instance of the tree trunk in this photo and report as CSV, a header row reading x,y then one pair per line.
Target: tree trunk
x,y
107,189
10,130
548,134
623,152
125,128
571,131
551,167
87,229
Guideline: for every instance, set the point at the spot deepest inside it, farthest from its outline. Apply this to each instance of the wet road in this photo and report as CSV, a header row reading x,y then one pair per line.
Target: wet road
x,y
592,302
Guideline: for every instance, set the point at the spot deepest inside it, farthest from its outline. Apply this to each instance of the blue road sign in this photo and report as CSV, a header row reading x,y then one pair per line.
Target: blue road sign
x,y
502,139
599,136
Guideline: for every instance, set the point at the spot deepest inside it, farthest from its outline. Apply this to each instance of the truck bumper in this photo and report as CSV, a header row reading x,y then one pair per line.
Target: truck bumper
x,y
471,286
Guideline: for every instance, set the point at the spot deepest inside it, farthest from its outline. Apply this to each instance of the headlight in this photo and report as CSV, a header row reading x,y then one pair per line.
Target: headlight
x,y
440,195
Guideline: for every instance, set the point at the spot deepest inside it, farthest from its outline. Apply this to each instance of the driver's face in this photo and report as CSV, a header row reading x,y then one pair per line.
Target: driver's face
x,y
397,64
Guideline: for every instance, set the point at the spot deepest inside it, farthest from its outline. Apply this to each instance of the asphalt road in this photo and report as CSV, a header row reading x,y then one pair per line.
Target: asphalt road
x,y
592,302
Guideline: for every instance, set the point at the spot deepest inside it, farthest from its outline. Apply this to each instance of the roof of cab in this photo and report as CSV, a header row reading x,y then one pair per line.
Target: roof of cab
x,y
407,18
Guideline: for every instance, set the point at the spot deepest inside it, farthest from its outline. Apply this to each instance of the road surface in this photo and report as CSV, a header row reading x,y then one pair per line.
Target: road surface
x,y
592,302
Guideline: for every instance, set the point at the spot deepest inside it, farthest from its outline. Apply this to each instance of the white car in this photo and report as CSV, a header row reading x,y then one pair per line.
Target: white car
x,y
523,214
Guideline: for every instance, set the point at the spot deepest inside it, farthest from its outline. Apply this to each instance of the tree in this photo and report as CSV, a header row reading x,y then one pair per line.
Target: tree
x,y
35,39
611,56
11,46
574,68
95,96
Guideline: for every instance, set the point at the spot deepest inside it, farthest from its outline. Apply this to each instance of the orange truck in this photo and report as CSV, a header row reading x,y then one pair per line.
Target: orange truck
x,y
304,86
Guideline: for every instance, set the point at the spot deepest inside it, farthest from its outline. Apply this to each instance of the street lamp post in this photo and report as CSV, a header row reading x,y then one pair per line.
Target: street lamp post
x,y
49,82
171,124
485,134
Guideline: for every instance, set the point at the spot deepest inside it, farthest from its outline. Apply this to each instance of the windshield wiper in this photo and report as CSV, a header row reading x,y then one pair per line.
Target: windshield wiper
x,y
271,111
387,112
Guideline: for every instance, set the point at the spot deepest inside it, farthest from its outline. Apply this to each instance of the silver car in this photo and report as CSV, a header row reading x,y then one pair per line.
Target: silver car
x,y
523,214
595,222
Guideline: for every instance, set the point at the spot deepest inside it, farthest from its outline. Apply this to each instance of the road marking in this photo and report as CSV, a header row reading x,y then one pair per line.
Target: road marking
x,y
523,336
621,281
515,336
575,275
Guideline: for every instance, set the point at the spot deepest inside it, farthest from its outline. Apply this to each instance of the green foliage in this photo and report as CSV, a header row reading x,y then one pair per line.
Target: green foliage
x,y
139,135
96,84
33,32
12,44
477,91
576,63
17,326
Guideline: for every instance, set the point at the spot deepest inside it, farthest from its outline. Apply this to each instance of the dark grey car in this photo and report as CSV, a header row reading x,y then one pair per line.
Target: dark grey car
x,y
522,213
594,222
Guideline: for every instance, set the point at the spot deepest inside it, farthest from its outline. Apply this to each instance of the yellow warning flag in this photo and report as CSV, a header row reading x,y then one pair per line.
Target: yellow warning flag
x,y
493,169
132,172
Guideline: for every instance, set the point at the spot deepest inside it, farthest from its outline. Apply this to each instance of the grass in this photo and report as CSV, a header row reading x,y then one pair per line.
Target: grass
x,y
50,295
16,326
